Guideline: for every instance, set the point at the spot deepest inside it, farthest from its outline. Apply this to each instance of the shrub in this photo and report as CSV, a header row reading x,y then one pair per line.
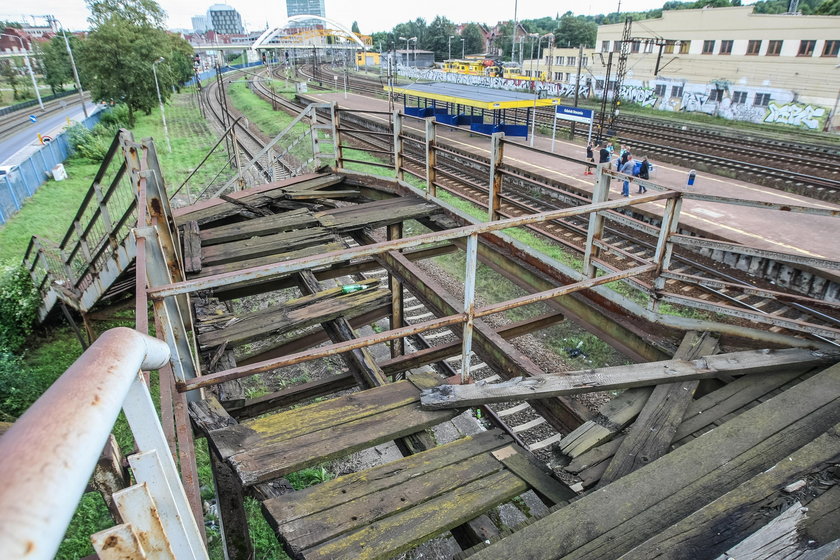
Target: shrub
x,y
86,144
19,302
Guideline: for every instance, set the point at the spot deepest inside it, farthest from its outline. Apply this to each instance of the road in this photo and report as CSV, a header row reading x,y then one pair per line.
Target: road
x,y
25,139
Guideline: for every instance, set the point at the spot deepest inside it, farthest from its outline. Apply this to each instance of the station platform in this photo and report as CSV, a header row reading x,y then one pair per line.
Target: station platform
x,y
813,236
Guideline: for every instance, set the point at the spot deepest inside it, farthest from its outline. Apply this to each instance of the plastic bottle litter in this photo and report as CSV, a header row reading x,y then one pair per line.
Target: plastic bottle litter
x,y
350,288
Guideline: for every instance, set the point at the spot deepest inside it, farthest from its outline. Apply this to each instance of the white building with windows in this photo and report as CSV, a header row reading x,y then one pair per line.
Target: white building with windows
x,y
225,20
730,62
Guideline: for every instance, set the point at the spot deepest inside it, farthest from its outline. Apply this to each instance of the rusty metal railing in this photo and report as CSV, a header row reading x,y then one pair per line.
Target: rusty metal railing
x,y
48,455
100,228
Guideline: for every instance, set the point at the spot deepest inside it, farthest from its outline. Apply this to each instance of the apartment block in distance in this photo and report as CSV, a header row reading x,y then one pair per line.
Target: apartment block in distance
x,y
224,20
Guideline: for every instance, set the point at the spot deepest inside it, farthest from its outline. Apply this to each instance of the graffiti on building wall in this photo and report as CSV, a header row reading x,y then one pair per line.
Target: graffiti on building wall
x,y
794,114
644,96
547,89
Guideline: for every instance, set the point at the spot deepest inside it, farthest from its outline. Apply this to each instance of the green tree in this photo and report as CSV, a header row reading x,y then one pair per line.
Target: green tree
x,y
355,28
437,38
829,8
55,62
140,13
125,39
9,71
473,39
573,31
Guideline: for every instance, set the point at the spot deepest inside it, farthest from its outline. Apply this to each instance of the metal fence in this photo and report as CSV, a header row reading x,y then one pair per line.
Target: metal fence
x,y
23,180
207,74
32,102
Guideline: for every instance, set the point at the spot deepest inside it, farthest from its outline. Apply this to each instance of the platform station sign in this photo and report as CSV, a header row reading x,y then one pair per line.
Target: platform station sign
x,y
574,114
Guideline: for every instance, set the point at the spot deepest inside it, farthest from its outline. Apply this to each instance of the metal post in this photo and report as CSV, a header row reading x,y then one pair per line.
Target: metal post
x,y
313,133
494,199
515,23
28,68
160,101
431,157
398,147
553,131
595,232
469,307
75,71
577,94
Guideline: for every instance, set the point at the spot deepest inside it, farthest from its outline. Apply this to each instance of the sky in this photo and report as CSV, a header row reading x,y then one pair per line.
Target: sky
x,y
372,15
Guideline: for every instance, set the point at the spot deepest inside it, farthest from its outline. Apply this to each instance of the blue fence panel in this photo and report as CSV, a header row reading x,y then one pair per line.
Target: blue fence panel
x,y
515,130
447,119
25,178
485,128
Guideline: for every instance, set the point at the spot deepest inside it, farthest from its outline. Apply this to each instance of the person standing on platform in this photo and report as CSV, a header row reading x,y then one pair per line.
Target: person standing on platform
x,y
590,156
604,154
627,168
644,173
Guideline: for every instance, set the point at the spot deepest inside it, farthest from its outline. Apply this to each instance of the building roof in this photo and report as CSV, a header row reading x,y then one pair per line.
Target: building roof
x,y
472,96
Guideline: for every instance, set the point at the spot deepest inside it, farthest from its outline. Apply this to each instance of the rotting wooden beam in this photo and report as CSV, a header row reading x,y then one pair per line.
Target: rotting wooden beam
x,y
653,431
622,377
252,408
703,413
610,522
614,415
494,350
717,527
276,223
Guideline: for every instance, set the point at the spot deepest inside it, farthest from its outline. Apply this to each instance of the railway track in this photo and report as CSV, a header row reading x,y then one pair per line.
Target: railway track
x,y
248,142
811,168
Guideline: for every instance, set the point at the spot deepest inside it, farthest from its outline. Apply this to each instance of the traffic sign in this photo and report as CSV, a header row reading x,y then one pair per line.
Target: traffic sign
x,y
33,118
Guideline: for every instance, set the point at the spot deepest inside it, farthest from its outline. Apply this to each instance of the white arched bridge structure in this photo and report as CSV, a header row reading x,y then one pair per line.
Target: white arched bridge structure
x,y
334,35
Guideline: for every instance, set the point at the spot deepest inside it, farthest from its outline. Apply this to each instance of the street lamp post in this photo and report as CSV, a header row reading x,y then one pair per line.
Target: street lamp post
x,y
160,100
28,67
415,50
536,90
463,48
406,39
449,44
73,65
515,25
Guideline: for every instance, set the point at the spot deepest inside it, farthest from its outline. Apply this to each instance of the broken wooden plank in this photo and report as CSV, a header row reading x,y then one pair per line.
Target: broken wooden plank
x,y
722,524
343,489
310,195
375,214
618,377
192,247
538,477
296,314
614,415
610,522
653,431
256,247
337,521
701,413
285,221
250,207
268,259
213,209
292,395
264,462
390,536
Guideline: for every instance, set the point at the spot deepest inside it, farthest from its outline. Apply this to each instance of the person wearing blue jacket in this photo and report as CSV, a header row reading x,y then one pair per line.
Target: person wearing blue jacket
x,y
627,168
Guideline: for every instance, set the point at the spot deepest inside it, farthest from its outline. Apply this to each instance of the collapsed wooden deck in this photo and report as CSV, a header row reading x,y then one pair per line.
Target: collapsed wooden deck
x,y
669,468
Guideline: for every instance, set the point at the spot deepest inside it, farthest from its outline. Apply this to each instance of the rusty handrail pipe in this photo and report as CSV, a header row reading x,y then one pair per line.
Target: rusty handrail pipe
x,y
48,455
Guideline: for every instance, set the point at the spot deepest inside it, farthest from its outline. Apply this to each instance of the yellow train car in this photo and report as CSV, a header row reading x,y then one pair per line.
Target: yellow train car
x,y
488,67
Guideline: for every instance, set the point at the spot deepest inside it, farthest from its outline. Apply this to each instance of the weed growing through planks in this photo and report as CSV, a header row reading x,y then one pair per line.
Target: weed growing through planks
x,y
309,477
